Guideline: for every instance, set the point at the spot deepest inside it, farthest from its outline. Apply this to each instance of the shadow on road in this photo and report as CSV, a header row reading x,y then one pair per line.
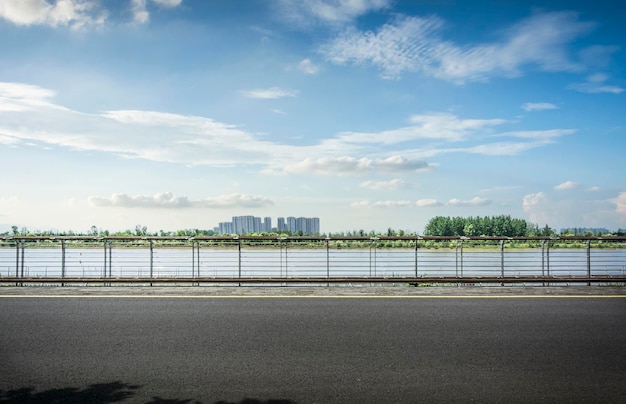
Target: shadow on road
x,y
103,393
253,401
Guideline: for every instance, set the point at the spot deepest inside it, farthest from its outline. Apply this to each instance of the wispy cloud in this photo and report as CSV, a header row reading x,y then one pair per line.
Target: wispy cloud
x,y
426,126
307,67
427,203
350,165
421,203
620,203
540,134
538,106
140,11
567,185
532,204
381,204
270,93
476,201
73,13
305,13
595,84
384,185
167,200
414,44
29,115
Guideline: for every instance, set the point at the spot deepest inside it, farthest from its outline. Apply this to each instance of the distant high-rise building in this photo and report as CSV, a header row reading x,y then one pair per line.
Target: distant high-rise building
x,y
292,224
267,224
253,224
246,224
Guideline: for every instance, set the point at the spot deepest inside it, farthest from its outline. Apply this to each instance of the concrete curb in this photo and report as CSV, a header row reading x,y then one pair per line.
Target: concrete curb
x,y
318,291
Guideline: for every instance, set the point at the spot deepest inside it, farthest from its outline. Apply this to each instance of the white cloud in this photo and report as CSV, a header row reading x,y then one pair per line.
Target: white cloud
x,y
502,148
168,3
73,13
307,67
620,203
426,203
28,115
160,200
270,93
413,44
476,201
305,13
595,84
402,46
381,204
566,185
139,8
384,185
351,165
421,203
538,106
168,200
532,204
426,126
540,134
531,200
140,11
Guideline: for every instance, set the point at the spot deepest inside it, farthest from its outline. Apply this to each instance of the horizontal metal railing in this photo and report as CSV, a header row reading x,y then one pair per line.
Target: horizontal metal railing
x,y
263,259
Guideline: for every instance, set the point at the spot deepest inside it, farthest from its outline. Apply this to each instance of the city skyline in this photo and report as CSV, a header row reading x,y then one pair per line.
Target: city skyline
x,y
370,114
253,224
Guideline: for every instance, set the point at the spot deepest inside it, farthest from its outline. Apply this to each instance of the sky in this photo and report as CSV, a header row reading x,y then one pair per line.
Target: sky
x,y
368,114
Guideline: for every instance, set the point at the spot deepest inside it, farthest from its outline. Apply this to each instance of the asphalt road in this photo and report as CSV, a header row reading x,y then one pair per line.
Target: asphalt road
x,y
303,350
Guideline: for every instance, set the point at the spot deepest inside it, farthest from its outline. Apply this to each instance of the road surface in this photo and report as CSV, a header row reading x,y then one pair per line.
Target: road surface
x,y
324,349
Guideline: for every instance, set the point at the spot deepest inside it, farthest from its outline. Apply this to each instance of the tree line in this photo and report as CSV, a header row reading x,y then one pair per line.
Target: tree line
x,y
499,226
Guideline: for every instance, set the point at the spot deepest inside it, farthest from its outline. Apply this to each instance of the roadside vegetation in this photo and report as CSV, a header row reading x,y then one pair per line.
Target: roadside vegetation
x,y
487,226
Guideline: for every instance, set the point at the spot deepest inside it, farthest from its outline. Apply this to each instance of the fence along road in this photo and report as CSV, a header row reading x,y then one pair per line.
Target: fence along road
x,y
309,260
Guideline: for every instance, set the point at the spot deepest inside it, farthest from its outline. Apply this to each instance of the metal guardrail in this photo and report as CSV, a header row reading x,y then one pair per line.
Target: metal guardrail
x,y
258,259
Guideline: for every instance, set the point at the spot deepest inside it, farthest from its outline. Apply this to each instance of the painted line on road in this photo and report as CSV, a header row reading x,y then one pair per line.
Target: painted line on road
x,y
313,297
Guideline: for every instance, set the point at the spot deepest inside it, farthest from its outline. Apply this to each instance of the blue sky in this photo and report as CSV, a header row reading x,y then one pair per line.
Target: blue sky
x,y
368,114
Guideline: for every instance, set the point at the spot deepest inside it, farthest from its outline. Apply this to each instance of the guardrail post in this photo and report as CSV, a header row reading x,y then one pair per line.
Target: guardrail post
x,y
107,259
461,243
456,258
327,260
548,259
589,261
502,258
62,259
104,268
543,265
416,242
198,259
151,260
23,259
239,257
17,259
502,261
193,259
370,260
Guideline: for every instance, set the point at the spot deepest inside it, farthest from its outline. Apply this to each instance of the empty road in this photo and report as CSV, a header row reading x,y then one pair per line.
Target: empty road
x,y
166,349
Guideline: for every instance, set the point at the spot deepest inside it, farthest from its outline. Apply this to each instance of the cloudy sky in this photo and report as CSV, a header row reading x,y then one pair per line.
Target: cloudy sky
x,y
368,114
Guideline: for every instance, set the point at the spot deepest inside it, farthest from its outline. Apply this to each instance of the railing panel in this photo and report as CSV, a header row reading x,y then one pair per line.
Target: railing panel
x,y
320,258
